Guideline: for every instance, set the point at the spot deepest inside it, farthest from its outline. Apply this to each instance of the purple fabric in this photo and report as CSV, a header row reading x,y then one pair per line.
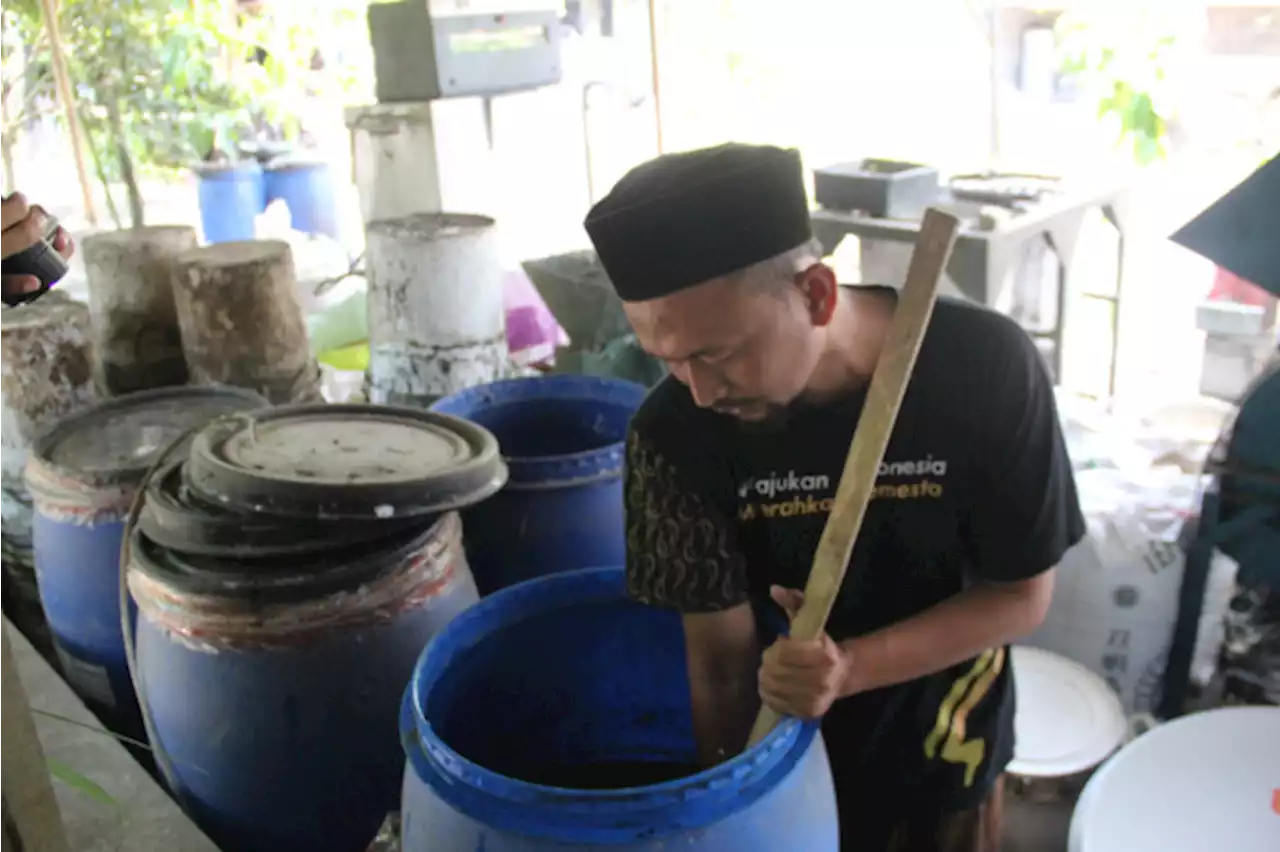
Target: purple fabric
x,y
530,323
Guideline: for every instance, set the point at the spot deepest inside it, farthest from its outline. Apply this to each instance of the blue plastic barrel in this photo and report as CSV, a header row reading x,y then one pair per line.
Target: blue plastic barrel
x,y
231,196
563,440
307,190
82,476
554,715
274,690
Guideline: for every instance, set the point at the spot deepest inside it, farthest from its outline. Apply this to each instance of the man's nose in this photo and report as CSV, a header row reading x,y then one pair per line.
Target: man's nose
x,y
706,388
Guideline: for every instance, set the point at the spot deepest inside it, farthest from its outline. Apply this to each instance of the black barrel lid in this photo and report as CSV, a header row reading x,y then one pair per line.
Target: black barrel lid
x,y
115,443
176,519
277,579
345,461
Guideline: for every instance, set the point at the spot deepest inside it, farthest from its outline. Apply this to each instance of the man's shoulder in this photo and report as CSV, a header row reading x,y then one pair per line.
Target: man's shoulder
x,y
670,430
979,328
981,351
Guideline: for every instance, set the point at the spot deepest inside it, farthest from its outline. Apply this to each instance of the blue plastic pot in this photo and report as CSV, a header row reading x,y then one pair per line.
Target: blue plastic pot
x,y
563,441
231,197
307,190
278,717
564,678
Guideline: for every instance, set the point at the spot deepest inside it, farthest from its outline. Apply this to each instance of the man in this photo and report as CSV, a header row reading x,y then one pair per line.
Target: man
x,y
21,226
732,463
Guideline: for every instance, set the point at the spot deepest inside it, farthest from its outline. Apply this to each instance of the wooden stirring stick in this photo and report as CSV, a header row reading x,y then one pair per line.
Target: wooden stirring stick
x,y
884,398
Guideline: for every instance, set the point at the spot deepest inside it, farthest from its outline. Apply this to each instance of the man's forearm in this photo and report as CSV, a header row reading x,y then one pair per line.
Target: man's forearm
x,y
723,713
723,653
984,616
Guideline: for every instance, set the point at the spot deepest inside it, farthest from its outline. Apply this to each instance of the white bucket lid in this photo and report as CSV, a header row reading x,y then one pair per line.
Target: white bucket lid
x,y
1067,721
1206,781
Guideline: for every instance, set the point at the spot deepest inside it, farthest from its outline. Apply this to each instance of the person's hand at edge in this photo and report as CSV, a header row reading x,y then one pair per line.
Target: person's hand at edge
x,y
21,226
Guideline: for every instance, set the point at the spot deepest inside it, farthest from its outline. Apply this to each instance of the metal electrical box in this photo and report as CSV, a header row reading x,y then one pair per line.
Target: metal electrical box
x,y
429,49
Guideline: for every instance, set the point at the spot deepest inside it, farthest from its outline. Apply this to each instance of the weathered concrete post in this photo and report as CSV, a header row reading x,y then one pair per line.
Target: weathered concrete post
x,y
436,317
422,157
30,807
241,321
47,366
131,304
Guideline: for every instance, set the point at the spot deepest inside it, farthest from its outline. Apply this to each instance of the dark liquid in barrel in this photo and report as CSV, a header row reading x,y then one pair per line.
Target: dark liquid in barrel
x,y
609,775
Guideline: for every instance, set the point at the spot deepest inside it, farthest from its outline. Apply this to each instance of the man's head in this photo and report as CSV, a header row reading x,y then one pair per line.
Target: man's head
x,y
712,254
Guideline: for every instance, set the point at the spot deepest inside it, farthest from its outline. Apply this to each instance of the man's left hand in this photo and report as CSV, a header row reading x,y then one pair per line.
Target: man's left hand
x,y
801,679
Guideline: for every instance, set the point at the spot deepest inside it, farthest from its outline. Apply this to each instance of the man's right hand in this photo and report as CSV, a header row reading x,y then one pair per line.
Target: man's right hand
x,y
21,226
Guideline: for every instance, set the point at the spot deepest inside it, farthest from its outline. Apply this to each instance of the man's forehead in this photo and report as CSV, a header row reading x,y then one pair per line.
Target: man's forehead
x,y
686,323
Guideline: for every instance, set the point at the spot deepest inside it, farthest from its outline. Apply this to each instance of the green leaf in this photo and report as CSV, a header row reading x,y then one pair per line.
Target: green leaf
x,y
78,782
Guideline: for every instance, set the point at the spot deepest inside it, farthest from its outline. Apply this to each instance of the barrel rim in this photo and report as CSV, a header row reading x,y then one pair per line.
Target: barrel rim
x,y
55,309
552,470
40,463
564,815
463,485
173,518
197,580
452,225
1085,815
129,237
339,569
231,254
229,170
292,162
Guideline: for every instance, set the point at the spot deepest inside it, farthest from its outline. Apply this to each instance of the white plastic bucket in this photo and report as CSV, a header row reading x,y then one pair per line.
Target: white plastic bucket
x,y
1201,782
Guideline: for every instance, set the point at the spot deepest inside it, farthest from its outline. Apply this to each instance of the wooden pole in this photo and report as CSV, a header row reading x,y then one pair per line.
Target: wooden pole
x,y
62,78
993,82
884,398
6,141
30,807
231,20
657,72
7,131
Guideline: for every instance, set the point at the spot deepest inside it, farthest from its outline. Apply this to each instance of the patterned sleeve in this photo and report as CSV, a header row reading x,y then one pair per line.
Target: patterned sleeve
x,y
682,549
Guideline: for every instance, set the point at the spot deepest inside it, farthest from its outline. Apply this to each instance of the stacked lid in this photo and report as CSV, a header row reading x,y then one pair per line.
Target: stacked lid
x,y
309,495
111,446
1067,719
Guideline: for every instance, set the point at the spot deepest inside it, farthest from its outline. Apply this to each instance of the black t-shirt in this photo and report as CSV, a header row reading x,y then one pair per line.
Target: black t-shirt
x,y
975,484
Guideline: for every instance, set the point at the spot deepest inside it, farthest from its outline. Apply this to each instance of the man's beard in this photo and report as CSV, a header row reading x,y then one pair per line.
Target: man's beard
x,y
772,417
765,416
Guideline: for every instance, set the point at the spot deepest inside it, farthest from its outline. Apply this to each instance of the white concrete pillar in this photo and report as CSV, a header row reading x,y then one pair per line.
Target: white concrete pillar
x,y
424,157
436,316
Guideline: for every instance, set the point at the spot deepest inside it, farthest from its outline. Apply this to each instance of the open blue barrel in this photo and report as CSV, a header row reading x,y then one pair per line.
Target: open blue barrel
x,y
307,190
231,197
82,476
287,579
563,438
554,715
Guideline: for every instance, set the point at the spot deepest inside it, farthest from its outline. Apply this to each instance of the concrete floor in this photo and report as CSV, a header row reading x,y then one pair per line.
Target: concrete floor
x,y
1031,826
139,816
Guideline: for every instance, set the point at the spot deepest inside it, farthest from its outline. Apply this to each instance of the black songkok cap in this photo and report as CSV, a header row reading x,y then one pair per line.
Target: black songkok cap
x,y
1238,231
683,219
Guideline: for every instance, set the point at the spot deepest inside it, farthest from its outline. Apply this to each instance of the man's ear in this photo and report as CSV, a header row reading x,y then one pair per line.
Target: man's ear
x,y
821,291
